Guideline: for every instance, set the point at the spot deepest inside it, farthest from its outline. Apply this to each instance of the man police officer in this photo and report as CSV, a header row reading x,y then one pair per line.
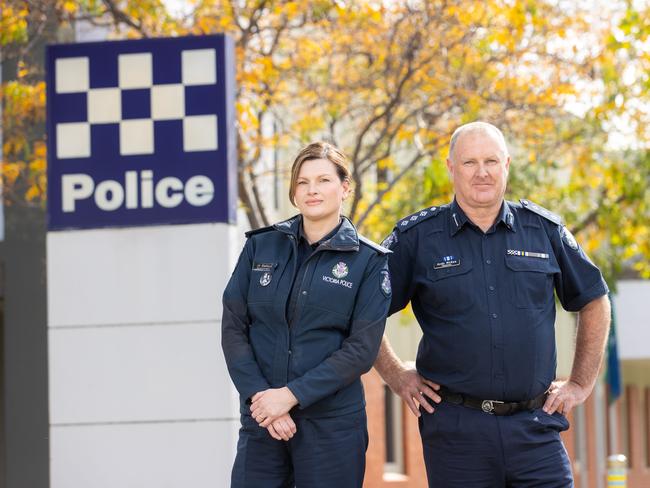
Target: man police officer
x,y
480,274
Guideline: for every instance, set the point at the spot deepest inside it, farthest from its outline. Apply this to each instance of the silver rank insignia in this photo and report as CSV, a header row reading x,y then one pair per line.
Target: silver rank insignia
x,y
385,283
568,238
340,270
265,279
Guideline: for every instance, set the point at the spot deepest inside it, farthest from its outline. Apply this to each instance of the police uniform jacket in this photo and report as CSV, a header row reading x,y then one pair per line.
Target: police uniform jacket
x,y
485,301
342,295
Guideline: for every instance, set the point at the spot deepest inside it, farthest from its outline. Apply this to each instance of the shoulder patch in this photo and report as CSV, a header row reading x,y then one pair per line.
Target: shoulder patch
x,y
547,214
568,239
373,245
419,216
258,231
384,283
390,240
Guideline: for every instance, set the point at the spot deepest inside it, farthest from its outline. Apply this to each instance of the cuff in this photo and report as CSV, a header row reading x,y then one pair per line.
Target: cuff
x,y
596,291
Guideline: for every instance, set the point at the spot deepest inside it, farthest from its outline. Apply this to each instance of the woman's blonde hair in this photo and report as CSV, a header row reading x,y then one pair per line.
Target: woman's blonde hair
x,y
319,150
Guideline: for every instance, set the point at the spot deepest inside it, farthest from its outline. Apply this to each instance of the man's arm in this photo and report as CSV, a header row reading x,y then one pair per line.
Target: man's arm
x,y
402,379
405,381
593,329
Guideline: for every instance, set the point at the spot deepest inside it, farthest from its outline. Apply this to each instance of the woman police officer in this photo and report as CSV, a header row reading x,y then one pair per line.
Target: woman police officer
x,y
303,317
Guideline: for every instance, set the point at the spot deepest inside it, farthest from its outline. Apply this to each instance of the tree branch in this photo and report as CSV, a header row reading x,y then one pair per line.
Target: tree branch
x,y
120,17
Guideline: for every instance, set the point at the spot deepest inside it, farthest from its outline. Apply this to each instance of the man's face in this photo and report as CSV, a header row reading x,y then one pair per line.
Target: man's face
x,y
479,170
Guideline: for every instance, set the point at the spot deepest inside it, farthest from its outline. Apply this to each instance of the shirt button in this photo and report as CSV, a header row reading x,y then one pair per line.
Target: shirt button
x,y
491,288
487,261
494,316
304,292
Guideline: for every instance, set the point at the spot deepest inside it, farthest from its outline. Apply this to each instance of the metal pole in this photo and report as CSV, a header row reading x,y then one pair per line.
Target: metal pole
x,y
617,471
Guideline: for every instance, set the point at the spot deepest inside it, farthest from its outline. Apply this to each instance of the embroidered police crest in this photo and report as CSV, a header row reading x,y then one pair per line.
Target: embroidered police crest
x,y
265,279
340,270
385,283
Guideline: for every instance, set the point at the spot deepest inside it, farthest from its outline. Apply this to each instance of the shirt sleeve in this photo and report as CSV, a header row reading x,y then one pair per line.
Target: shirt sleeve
x,y
359,350
240,358
401,263
579,281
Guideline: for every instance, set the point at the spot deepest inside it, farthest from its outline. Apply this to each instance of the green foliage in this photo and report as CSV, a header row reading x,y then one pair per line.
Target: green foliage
x,y
388,82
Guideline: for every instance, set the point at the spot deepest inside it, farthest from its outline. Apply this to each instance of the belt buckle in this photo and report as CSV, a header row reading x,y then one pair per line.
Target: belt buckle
x,y
488,406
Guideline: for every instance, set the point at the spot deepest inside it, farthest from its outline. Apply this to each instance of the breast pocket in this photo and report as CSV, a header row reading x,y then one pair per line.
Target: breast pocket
x,y
450,289
264,282
531,285
333,294
335,283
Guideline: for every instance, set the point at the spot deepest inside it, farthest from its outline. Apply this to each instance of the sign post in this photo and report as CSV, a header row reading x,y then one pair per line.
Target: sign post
x,y
142,239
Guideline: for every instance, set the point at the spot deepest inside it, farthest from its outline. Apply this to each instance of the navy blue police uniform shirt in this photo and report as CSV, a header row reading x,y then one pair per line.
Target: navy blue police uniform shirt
x,y
309,319
485,301
303,251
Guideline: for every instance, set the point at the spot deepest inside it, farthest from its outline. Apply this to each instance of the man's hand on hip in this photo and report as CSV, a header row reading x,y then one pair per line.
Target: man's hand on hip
x,y
415,390
405,380
563,396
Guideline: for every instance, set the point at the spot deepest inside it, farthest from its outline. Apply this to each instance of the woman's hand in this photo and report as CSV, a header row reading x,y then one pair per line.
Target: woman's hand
x,y
269,405
283,428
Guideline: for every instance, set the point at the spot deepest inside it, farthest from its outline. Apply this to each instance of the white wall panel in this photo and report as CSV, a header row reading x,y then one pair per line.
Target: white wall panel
x,y
139,393
168,455
633,320
110,374
138,275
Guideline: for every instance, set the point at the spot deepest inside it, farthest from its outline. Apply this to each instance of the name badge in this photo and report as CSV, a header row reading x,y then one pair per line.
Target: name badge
x,y
446,262
263,266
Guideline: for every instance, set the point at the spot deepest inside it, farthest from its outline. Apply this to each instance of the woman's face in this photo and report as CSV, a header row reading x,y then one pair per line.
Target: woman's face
x,y
319,191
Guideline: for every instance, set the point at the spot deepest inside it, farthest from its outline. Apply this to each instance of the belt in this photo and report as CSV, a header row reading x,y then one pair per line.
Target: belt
x,y
493,407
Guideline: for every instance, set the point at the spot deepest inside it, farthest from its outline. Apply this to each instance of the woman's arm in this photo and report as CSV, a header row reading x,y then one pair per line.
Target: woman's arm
x,y
242,365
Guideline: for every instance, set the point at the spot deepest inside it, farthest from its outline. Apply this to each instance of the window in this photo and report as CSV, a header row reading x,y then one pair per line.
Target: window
x,y
623,426
580,442
394,432
646,426
628,428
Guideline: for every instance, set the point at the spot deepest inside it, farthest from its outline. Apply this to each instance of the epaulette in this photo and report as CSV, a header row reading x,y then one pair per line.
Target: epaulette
x,y
258,231
373,245
547,214
419,216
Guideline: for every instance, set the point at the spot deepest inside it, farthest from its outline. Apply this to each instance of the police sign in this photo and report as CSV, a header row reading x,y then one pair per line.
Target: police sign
x,y
141,132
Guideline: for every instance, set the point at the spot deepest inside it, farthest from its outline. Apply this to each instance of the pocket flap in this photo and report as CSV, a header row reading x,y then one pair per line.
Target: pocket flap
x,y
535,265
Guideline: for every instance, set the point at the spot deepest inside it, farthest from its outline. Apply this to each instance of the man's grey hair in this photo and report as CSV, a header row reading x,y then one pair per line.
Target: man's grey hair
x,y
478,126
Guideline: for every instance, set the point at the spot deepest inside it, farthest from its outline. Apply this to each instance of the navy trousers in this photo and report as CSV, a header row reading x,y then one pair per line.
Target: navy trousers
x,y
465,448
324,453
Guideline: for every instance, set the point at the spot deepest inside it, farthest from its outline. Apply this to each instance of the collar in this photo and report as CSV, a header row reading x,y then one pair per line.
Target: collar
x,y
345,237
506,216
303,237
458,218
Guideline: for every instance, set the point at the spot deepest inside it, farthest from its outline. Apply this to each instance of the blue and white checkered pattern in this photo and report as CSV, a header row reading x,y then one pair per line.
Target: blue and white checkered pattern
x,y
134,104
